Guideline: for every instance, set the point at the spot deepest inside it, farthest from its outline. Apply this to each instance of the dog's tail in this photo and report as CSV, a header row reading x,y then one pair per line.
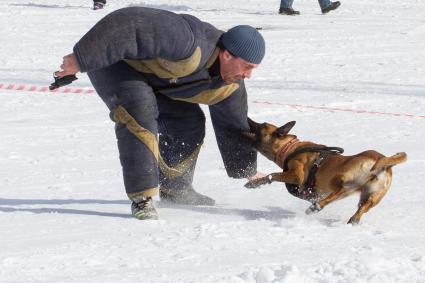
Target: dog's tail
x,y
386,162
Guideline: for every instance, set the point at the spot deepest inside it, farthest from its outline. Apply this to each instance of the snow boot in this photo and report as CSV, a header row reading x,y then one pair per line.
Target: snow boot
x,y
144,209
97,5
186,196
288,11
331,7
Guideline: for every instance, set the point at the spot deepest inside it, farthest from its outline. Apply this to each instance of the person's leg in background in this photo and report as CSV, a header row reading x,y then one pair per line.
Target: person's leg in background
x,y
327,5
286,8
98,4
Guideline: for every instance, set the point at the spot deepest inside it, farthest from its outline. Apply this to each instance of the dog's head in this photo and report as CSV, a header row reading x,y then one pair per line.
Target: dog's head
x,y
267,138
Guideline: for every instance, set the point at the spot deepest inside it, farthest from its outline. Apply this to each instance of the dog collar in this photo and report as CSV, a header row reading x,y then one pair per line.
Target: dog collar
x,y
283,152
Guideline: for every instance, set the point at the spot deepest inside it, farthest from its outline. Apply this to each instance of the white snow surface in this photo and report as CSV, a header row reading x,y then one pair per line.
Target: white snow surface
x,y
64,214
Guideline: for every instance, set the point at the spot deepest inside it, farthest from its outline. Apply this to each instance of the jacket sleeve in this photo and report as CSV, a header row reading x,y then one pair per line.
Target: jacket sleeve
x,y
229,119
134,33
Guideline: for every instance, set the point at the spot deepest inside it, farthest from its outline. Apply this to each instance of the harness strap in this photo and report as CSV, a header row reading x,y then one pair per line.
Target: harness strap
x,y
311,180
307,190
318,148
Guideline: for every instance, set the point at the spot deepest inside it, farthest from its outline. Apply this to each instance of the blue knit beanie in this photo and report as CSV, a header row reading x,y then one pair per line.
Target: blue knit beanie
x,y
245,42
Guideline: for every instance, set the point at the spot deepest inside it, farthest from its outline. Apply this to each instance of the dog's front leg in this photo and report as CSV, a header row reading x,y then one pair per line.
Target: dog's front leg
x,y
253,184
287,177
284,177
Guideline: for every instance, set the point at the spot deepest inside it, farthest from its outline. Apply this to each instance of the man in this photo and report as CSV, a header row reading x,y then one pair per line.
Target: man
x,y
325,5
152,68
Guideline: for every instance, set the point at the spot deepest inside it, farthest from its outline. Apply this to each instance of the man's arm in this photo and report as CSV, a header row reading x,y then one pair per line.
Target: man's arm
x,y
134,33
229,118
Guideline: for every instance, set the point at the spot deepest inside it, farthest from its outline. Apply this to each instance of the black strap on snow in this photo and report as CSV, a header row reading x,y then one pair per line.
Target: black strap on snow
x,y
307,191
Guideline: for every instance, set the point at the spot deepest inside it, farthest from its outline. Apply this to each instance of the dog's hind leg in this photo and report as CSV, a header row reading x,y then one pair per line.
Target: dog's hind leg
x,y
364,206
341,190
372,193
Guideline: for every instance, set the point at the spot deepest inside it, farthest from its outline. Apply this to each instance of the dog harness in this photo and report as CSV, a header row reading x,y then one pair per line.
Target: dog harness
x,y
307,190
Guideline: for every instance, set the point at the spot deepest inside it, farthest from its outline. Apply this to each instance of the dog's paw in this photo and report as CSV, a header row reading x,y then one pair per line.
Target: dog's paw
x,y
314,208
353,221
253,184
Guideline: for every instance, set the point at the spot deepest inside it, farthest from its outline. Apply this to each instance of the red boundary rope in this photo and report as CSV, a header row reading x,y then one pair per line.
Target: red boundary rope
x,y
335,109
89,91
44,89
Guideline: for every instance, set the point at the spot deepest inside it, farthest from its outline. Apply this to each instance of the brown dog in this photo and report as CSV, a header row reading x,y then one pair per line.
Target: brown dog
x,y
322,175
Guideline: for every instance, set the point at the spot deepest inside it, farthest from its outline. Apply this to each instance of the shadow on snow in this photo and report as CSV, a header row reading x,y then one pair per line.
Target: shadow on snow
x,y
12,205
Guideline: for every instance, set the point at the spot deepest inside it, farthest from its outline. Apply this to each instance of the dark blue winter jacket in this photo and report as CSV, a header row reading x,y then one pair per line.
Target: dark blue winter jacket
x,y
175,53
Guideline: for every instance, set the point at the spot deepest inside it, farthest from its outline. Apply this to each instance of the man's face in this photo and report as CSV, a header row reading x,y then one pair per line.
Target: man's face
x,y
234,68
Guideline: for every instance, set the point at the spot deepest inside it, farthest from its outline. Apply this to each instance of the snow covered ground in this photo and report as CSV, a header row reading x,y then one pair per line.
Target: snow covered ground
x,y
64,216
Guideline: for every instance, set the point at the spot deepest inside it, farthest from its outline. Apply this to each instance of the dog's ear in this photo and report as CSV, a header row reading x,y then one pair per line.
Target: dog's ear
x,y
284,130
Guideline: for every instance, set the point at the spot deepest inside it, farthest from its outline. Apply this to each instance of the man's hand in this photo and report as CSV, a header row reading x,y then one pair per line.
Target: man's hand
x,y
68,67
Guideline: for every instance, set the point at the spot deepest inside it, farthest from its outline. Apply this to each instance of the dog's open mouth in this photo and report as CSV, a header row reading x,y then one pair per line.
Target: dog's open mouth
x,y
250,135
